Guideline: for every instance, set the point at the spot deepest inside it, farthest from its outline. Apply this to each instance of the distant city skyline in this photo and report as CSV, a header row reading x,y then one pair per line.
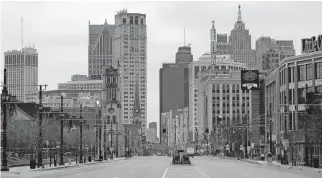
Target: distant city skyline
x,y
61,39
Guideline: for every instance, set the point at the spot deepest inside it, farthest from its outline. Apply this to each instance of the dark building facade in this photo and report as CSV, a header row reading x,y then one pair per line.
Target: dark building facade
x,y
184,56
174,87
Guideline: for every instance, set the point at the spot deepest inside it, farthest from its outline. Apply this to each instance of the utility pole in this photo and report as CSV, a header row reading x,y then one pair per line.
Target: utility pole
x,y
99,142
81,137
40,126
4,94
270,137
246,140
61,131
111,132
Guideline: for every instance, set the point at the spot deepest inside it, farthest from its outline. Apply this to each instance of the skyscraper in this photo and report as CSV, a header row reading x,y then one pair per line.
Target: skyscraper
x,y
223,46
100,49
269,52
241,43
22,73
262,44
184,56
130,41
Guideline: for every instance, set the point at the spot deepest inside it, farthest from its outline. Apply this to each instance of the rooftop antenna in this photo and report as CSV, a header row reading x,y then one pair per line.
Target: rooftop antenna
x,y
184,36
21,33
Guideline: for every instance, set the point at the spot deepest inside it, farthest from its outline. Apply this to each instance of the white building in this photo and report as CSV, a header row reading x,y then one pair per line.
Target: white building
x,y
22,72
223,62
79,82
240,40
151,135
176,124
83,98
130,41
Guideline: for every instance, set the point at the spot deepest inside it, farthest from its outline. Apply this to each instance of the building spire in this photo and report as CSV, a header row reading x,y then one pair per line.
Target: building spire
x,y
213,24
239,14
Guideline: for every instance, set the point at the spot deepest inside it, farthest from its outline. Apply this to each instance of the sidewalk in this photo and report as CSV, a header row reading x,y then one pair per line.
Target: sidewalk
x,y
21,169
275,164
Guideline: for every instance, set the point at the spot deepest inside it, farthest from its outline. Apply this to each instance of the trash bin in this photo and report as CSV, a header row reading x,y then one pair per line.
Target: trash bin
x,y
316,163
32,164
55,162
89,158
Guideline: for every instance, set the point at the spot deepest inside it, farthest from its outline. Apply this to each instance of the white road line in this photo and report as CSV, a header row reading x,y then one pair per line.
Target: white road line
x,y
165,173
246,174
200,172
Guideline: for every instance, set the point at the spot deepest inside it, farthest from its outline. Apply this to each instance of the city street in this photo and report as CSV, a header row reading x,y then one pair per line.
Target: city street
x,y
160,166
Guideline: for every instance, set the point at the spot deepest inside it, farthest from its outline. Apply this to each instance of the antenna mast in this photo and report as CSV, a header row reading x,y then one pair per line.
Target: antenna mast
x,y
21,33
184,36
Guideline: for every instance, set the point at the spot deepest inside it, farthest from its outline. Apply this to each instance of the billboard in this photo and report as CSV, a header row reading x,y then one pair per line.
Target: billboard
x,y
249,80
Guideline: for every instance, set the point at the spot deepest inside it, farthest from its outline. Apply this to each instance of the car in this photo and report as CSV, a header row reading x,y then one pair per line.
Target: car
x,y
180,158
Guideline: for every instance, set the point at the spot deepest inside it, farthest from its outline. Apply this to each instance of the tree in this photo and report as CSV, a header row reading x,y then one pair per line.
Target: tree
x,y
311,123
21,133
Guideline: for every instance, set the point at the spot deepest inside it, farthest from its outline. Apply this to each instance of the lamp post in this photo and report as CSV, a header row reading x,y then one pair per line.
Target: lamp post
x,y
61,162
4,98
81,137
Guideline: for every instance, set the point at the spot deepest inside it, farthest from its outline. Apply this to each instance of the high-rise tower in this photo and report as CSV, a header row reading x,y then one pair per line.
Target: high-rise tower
x,y
100,49
241,43
130,42
22,71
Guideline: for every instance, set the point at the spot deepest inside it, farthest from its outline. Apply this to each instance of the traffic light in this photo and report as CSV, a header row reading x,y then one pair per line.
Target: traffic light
x,y
164,130
207,131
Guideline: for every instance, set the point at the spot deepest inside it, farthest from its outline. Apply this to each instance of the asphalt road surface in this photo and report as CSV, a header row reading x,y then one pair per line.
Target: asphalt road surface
x,y
160,167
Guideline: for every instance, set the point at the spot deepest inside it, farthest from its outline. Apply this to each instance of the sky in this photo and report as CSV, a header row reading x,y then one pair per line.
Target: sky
x,y
59,31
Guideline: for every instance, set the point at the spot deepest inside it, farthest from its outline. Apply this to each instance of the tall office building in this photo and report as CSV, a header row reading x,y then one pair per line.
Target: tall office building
x,y
174,88
223,46
184,56
262,45
22,73
269,52
130,42
100,49
241,43
174,82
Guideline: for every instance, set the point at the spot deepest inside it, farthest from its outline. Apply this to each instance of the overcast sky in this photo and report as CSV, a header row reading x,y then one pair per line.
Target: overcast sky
x,y
59,31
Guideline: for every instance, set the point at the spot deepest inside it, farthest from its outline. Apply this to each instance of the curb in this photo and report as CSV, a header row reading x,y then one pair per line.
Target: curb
x,y
18,165
319,170
53,168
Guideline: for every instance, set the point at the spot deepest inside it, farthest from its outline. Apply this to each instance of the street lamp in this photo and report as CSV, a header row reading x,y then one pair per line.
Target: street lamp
x,y
4,99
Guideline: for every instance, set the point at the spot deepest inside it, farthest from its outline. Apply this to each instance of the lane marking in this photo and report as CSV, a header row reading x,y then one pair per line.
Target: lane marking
x,y
165,173
246,174
200,172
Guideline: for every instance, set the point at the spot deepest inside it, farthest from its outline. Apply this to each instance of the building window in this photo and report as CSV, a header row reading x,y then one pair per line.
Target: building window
x,y
301,73
141,21
309,72
136,20
124,20
318,70
131,20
